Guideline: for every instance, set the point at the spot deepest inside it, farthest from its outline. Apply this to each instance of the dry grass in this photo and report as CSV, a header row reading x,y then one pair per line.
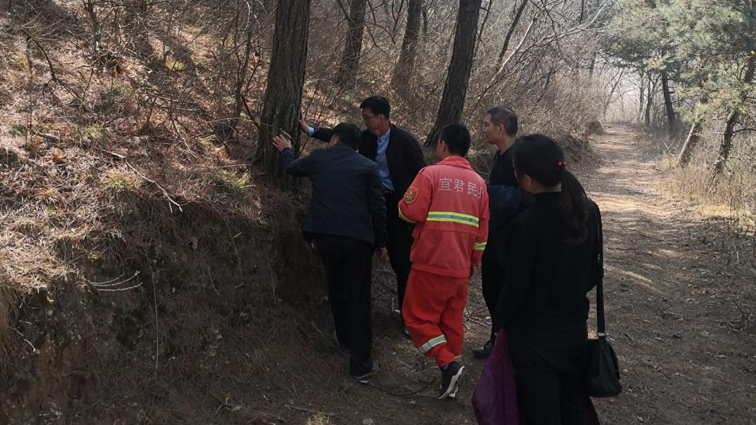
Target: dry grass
x,y
730,195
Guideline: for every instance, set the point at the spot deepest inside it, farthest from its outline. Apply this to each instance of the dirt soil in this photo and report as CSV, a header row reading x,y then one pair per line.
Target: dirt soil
x,y
680,300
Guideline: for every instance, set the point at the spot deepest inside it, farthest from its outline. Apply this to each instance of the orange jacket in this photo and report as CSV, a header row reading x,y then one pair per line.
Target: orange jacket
x,y
448,202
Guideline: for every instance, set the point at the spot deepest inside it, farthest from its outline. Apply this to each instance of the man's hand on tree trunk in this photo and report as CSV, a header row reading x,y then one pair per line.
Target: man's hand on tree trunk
x,y
303,124
281,142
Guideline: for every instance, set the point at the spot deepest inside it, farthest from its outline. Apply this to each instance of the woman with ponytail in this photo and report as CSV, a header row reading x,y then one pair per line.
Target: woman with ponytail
x,y
554,260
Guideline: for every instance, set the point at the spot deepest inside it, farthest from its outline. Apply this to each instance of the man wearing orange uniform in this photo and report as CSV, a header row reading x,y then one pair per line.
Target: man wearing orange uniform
x,y
448,202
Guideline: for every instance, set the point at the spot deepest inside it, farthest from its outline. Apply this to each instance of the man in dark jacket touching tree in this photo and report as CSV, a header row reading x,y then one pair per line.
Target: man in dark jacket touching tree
x,y
347,221
399,157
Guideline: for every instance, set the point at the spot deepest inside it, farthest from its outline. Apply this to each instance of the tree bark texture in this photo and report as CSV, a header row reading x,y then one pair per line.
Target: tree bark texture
x,y
283,93
405,67
650,98
690,144
694,135
350,61
732,120
455,89
641,100
671,118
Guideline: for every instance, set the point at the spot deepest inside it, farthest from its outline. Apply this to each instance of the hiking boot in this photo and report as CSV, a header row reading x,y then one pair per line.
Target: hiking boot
x,y
484,351
450,380
364,377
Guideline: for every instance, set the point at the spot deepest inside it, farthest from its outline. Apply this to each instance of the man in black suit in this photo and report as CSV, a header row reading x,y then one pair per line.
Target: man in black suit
x,y
399,157
347,221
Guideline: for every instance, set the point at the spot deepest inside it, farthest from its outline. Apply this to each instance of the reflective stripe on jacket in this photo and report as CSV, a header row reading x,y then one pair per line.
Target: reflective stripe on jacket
x,y
448,202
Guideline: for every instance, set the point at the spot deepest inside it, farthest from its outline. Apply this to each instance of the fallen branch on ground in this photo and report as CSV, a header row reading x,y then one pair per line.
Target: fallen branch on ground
x,y
165,192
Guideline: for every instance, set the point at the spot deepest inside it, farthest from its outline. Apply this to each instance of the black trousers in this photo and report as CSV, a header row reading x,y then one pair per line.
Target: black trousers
x,y
398,243
348,263
492,276
545,395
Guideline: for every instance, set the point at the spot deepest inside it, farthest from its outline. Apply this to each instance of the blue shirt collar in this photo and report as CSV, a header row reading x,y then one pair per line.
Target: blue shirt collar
x,y
385,138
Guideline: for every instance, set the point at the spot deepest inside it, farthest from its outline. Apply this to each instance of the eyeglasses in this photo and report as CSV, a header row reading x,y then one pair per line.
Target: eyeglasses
x,y
366,118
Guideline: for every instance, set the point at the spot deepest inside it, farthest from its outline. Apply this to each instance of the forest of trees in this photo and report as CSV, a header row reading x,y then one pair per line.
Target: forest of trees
x,y
242,70
699,57
525,53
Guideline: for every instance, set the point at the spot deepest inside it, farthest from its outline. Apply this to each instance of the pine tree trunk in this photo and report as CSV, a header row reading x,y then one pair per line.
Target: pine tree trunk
x,y
690,144
283,93
641,100
694,136
726,145
732,119
671,118
405,67
453,99
649,100
350,61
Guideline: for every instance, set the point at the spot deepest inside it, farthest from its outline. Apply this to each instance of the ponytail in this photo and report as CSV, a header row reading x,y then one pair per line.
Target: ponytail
x,y
573,209
542,159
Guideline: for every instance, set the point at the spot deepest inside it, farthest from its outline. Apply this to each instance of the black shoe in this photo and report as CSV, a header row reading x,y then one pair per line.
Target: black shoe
x,y
450,380
484,351
364,377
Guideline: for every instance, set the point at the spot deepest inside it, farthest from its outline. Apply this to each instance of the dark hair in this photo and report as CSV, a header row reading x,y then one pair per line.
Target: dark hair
x,y
541,158
348,134
501,115
457,138
378,105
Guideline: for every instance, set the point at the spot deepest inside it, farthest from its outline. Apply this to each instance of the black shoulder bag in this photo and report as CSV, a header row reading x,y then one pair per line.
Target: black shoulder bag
x,y
602,370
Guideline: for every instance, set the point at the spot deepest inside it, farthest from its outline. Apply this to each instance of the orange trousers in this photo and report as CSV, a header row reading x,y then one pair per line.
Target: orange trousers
x,y
433,309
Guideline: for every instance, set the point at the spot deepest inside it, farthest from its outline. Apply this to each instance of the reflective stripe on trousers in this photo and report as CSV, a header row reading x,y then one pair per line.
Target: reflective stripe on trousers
x,y
432,343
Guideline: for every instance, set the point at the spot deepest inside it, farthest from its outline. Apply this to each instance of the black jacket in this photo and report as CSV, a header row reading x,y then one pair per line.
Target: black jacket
x,y
505,202
543,302
403,154
346,193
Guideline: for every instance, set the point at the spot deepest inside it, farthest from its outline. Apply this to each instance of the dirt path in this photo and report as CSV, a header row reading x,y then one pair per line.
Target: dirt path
x,y
674,296
676,287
